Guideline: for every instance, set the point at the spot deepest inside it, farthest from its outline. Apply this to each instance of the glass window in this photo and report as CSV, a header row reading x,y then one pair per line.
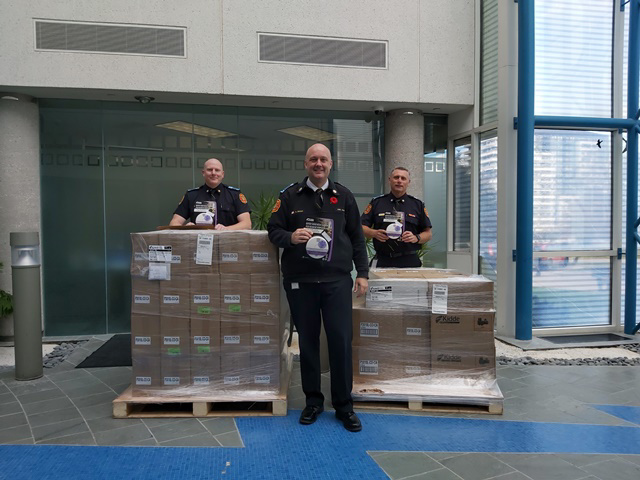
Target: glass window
x,y
573,64
489,62
462,195
572,190
488,227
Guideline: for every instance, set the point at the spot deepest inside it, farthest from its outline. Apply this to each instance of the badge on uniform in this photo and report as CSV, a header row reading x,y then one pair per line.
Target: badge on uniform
x,y
243,199
276,207
368,209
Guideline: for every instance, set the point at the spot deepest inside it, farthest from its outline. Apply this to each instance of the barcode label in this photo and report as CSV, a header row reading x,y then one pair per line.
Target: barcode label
x,y
261,339
142,299
171,340
201,380
172,380
232,380
171,299
232,299
143,380
201,340
229,257
142,341
414,331
201,299
232,339
369,329
368,367
261,298
263,379
260,256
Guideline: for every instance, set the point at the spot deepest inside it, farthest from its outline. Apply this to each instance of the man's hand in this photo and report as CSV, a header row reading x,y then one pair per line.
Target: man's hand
x,y
360,287
409,237
380,235
301,235
219,226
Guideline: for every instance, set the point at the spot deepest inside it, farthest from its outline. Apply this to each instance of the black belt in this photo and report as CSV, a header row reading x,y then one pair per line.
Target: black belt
x,y
396,255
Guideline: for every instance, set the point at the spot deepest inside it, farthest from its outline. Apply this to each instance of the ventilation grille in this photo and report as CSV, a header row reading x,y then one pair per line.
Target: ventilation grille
x,y
322,51
102,38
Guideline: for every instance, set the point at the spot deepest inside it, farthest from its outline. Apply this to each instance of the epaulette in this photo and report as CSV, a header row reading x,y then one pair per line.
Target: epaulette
x,y
288,187
415,198
193,189
233,188
379,196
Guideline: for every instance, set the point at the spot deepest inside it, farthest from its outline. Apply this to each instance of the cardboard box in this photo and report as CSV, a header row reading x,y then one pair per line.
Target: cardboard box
x,y
175,336
376,327
265,293
204,296
235,333
204,335
416,330
458,361
264,254
235,294
174,297
371,365
205,352
145,334
408,273
416,362
145,296
146,372
235,257
265,369
140,252
472,331
235,369
175,371
461,294
195,245
398,293
180,243
265,335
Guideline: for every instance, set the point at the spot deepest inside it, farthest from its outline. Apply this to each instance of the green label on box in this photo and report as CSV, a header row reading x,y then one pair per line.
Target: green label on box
x,y
204,310
234,308
204,349
173,351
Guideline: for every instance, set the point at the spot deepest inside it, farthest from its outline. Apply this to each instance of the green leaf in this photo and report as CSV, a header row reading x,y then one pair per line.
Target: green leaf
x,y
261,210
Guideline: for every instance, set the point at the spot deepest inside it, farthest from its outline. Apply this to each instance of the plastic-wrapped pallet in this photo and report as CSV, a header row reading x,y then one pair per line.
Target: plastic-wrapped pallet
x,y
205,314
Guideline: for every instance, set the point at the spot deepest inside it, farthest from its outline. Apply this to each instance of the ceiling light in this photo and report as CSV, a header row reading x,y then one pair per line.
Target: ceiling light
x,y
144,99
310,133
201,130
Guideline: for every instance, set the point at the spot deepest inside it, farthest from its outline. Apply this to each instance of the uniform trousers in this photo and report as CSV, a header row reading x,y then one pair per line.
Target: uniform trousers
x,y
329,302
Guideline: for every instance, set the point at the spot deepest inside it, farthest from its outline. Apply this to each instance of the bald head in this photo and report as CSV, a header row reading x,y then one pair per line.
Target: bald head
x,y
213,172
318,164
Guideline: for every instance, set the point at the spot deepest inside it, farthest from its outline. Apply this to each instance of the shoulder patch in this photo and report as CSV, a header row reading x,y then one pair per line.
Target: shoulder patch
x,y
243,199
233,188
276,207
287,188
426,212
368,209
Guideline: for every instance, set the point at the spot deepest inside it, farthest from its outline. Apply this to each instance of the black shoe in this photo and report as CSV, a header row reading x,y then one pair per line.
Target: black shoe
x,y
350,421
310,414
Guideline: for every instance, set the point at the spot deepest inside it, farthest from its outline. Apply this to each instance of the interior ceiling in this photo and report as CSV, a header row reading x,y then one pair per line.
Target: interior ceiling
x,y
232,100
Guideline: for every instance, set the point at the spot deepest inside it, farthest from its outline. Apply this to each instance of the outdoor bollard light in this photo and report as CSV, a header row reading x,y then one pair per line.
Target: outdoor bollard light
x,y
27,329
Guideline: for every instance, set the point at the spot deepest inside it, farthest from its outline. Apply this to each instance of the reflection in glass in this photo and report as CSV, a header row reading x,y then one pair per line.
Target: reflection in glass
x,y
462,195
488,218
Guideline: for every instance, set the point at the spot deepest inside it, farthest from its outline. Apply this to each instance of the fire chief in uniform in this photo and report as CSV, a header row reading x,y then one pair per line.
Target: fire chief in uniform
x,y
226,206
398,224
317,223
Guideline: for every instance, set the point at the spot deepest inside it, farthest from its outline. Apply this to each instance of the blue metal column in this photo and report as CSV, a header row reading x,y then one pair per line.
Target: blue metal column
x,y
524,227
632,171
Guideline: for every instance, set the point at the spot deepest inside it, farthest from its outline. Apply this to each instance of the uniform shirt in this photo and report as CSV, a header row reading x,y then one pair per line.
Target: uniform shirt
x,y
297,206
230,202
416,220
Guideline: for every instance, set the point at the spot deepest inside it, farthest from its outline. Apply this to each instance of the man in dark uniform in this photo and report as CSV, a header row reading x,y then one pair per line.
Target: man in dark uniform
x,y
317,223
398,224
225,206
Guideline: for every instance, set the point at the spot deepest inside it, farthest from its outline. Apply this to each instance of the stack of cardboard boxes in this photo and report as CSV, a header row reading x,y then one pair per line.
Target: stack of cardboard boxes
x,y
423,325
205,313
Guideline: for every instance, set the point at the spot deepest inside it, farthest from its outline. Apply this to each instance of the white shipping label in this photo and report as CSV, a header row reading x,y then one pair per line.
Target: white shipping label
x,y
229,257
232,299
260,256
143,380
171,340
232,339
204,249
368,367
201,299
261,297
261,339
232,380
381,294
201,380
414,331
172,380
439,298
412,370
176,259
369,329
171,299
264,379
159,271
142,299
160,253
201,340
142,341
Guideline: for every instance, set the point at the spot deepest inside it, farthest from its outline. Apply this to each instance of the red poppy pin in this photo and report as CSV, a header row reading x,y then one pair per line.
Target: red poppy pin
x,y
333,200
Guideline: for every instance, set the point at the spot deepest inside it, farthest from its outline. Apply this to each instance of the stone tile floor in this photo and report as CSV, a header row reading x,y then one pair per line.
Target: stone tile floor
x,y
70,406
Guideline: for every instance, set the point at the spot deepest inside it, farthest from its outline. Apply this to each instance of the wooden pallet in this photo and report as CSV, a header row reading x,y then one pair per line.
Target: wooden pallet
x,y
129,406
493,408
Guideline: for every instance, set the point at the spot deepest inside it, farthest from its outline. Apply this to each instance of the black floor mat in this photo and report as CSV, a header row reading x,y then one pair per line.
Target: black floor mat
x,y
116,352
591,338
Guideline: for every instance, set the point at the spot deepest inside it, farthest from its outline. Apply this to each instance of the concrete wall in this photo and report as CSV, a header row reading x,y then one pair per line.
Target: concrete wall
x,y
431,48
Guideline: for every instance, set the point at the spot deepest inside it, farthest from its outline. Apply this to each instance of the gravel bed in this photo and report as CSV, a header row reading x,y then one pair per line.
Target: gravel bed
x,y
624,355
60,353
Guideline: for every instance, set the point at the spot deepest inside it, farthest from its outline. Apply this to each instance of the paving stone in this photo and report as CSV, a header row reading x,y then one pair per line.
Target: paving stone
x,y
476,466
10,408
47,405
219,425
55,416
123,436
178,429
59,429
13,420
104,424
40,396
406,464
230,439
75,439
202,440
9,435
